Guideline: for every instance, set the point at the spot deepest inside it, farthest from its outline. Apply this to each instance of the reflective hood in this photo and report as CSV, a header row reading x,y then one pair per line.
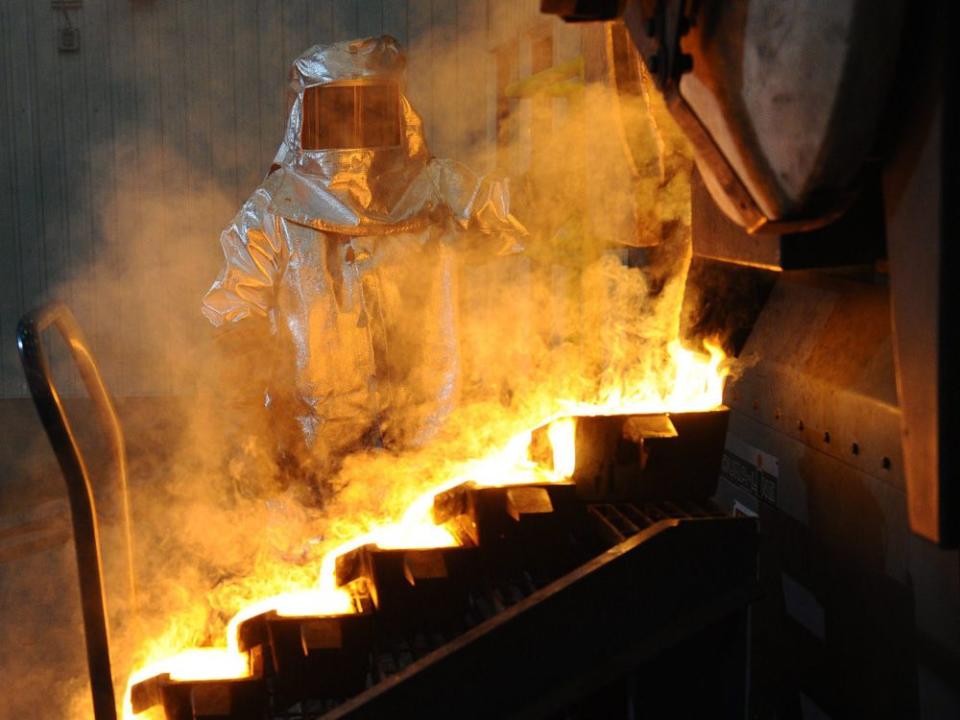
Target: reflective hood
x,y
352,190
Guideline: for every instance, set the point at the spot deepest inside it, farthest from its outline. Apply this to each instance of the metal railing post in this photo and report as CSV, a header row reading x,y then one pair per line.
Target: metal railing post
x,y
49,406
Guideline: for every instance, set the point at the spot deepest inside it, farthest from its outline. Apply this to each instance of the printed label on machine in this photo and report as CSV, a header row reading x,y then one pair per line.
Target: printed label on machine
x,y
750,468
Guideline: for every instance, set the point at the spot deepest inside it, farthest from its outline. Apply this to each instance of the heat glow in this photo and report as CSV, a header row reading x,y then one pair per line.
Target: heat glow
x,y
694,383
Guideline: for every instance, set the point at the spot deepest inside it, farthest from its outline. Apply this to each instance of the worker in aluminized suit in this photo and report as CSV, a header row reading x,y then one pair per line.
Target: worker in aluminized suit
x,y
345,258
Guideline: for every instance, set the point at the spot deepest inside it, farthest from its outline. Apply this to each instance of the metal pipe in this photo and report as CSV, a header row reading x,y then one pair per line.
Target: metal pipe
x,y
36,367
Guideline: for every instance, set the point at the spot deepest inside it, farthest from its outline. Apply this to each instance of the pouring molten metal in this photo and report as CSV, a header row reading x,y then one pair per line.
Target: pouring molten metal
x,y
696,385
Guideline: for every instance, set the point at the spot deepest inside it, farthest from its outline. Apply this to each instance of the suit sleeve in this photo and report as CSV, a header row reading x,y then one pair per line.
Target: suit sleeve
x,y
254,261
479,203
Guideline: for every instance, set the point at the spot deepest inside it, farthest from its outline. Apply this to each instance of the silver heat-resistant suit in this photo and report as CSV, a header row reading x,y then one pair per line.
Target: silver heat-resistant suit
x,y
350,255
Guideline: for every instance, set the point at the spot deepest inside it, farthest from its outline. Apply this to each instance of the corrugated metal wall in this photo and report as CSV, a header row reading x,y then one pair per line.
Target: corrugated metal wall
x,y
119,163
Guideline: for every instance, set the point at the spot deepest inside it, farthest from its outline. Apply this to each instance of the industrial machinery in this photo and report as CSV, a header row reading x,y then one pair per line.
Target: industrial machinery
x,y
613,593
826,496
817,132
821,230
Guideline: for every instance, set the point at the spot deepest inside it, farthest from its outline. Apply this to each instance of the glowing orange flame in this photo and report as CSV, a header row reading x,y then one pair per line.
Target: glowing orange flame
x,y
695,384
562,434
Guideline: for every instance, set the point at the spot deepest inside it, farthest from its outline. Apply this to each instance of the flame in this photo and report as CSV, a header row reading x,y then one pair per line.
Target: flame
x,y
694,382
697,385
562,434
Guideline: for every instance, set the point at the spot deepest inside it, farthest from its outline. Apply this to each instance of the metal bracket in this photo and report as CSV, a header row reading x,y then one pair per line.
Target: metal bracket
x,y
68,36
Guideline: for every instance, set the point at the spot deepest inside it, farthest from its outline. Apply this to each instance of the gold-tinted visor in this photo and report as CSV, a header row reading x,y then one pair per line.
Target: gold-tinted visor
x,y
350,115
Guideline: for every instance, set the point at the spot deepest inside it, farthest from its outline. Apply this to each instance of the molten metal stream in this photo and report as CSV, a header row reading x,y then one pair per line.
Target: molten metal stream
x,y
697,386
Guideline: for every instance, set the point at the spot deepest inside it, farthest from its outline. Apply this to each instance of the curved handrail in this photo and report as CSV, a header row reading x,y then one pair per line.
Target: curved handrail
x,y
36,367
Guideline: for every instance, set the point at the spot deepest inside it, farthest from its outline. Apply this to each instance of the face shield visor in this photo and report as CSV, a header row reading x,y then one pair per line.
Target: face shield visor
x,y
355,114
